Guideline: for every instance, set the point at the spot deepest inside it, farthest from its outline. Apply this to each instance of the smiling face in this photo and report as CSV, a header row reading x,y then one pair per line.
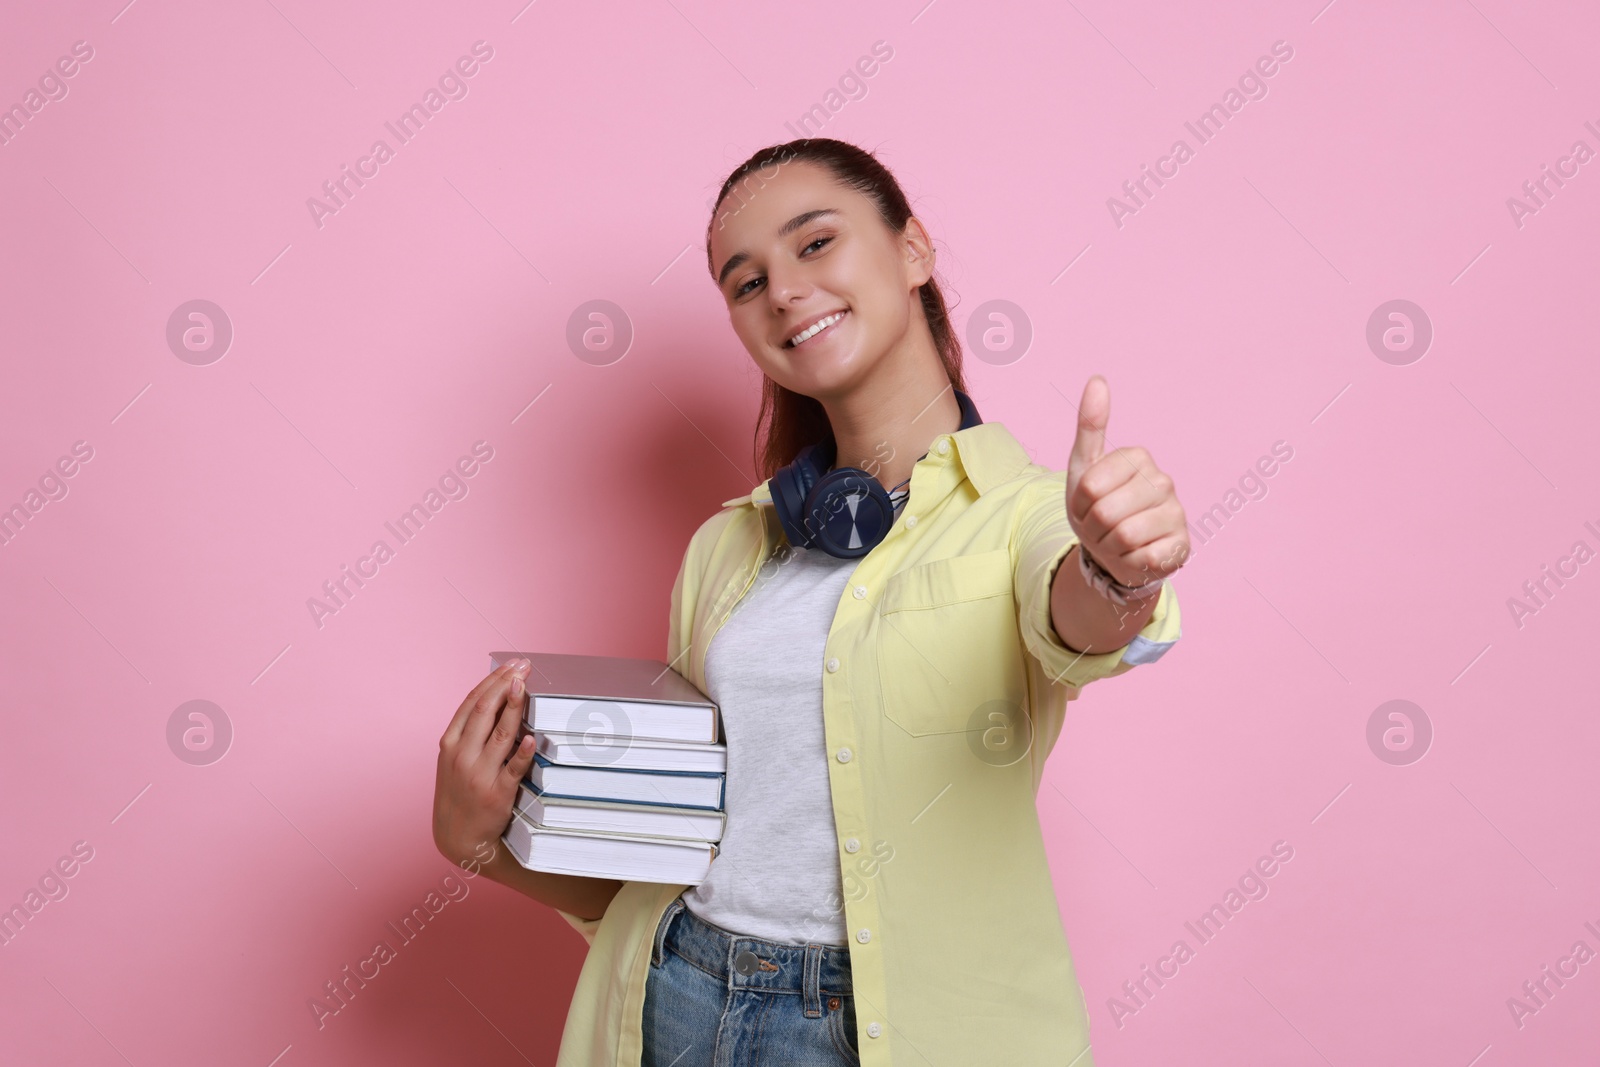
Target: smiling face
x,y
803,258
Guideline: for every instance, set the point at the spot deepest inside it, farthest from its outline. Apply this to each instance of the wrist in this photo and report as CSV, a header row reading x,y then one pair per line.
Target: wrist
x,y
483,858
1106,584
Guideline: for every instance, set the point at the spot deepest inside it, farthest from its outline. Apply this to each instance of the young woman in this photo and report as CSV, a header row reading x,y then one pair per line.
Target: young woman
x,y
928,601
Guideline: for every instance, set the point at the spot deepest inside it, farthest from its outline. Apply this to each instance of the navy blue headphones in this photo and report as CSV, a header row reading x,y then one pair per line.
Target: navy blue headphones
x,y
844,512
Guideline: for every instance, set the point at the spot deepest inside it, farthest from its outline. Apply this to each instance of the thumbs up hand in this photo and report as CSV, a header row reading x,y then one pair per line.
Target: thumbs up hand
x,y
1123,508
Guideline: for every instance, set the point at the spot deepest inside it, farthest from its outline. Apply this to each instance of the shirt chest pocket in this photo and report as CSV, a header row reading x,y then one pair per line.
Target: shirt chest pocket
x,y
948,643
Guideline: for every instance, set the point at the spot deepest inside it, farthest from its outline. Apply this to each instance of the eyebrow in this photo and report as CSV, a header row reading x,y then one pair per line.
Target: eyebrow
x,y
739,258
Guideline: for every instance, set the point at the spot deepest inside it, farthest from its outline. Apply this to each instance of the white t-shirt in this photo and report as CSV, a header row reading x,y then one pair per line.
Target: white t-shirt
x,y
777,875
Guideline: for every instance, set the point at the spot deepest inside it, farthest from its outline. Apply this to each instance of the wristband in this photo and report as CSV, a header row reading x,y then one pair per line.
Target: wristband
x,y
1101,581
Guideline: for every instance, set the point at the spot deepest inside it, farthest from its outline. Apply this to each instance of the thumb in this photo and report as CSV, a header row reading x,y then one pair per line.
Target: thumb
x,y
1094,411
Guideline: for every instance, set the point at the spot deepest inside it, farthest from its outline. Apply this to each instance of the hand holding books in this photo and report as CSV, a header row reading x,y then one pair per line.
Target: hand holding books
x,y
627,779
481,761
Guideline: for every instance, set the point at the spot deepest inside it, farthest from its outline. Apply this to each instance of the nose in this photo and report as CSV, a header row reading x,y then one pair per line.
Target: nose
x,y
787,286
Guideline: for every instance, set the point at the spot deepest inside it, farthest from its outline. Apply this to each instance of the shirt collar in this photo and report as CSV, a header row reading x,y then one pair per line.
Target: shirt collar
x,y
987,455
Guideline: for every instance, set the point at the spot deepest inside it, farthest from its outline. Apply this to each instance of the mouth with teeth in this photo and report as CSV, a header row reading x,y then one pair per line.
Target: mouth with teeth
x,y
816,329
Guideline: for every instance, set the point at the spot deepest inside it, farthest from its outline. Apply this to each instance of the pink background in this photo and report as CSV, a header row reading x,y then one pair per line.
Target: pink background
x,y
1227,314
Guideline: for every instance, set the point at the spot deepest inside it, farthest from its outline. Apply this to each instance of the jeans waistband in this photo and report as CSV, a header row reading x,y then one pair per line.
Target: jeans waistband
x,y
753,963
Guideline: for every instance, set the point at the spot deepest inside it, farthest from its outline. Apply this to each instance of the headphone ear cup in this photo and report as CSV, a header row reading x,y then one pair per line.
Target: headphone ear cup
x,y
848,513
791,486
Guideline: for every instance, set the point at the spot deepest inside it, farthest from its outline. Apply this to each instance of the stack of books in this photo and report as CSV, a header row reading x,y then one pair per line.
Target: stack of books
x,y
629,772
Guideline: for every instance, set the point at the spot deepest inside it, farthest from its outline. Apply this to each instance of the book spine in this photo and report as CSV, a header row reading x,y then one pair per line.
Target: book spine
x,y
540,759
624,800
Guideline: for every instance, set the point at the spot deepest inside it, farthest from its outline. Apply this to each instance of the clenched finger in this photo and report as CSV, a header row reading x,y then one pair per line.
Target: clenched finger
x,y
504,736
452,733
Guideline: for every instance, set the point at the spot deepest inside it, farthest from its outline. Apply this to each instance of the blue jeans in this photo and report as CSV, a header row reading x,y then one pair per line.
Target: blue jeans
x,y
715,999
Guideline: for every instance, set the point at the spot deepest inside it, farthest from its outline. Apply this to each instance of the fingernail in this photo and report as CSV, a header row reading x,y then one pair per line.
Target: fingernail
x,y
516,686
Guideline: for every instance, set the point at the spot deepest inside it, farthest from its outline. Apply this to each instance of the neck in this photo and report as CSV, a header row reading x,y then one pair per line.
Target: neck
x,y
887,421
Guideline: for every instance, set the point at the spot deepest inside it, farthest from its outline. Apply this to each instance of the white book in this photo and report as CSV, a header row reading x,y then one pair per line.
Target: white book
x,y
611,699
692,789
598,816
638,754
626,858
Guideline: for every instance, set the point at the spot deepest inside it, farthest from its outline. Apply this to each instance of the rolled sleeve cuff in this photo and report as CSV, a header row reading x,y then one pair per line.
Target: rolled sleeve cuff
x,y
1040,558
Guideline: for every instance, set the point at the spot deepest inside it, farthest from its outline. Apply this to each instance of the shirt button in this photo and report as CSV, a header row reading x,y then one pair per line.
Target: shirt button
x,y
844,755
852,845
833,665
911,520
943,446
861,592
863,935
873,1030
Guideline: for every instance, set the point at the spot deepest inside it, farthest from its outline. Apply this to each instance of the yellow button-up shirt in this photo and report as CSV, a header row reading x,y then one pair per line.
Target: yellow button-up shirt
x,y
944,688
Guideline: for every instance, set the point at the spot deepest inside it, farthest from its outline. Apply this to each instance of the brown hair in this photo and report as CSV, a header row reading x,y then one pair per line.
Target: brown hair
x,y
789,421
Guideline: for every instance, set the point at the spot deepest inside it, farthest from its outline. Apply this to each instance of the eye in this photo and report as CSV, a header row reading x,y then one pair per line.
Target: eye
x,y
745,288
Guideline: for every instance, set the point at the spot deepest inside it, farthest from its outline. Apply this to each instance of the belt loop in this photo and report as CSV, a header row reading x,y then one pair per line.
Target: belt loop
x,y
671,913
811,981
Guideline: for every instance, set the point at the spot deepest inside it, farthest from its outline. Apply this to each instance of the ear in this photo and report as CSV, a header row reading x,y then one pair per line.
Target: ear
x,y
920,255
